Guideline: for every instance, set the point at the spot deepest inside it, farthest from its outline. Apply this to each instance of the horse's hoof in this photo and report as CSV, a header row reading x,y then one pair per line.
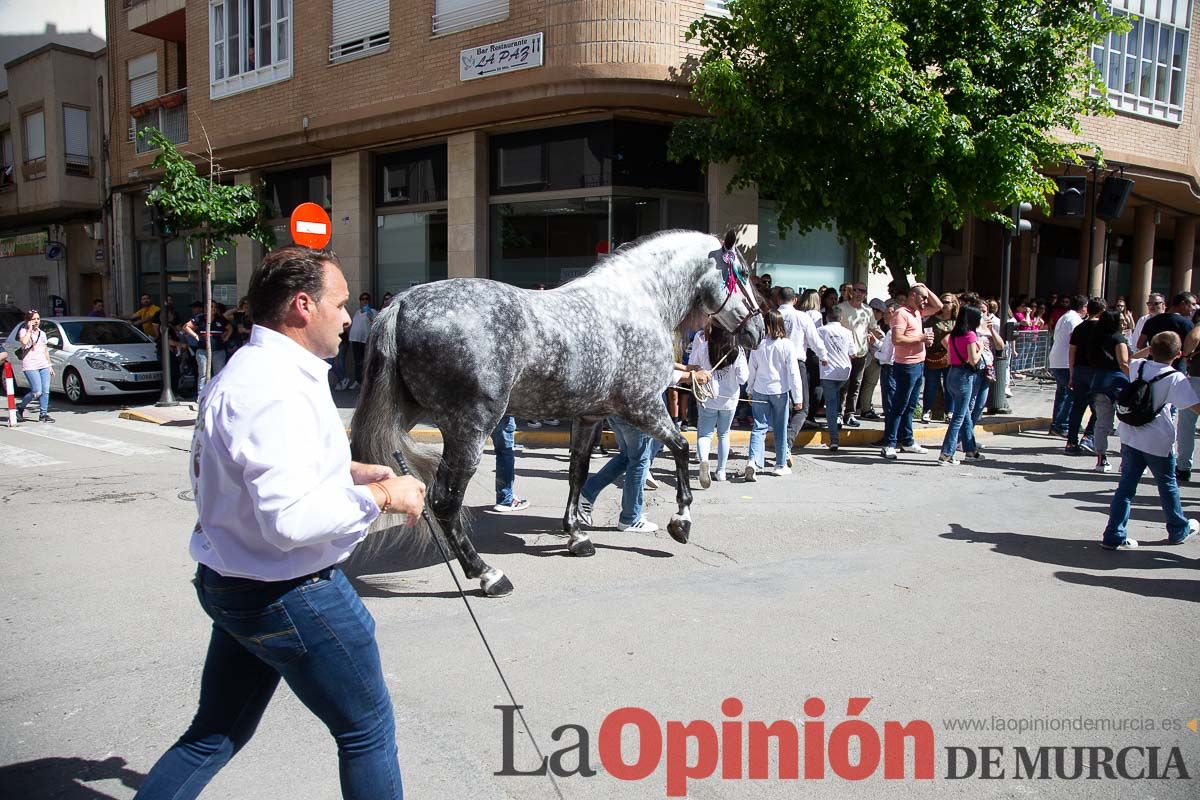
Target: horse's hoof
x,y
582,548
496,585
680,529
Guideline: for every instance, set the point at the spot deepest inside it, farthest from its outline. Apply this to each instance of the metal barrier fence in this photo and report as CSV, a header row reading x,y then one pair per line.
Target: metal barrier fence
x,y
1032,353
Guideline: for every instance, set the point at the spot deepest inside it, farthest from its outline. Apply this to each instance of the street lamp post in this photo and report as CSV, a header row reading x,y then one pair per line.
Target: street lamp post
x,y
163,230
998,402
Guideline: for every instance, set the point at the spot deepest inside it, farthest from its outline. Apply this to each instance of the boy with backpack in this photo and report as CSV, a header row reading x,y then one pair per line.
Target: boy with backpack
x,y
1147,431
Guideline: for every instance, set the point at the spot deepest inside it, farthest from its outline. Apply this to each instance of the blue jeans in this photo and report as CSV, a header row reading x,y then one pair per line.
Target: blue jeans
x,y
983,387
887,389
636,450
218,361
39,389
962,383
506,461
1133,463
772,414
1081,398
934,379
906,378
1185,439
708,420
1062,400
315,633
833,392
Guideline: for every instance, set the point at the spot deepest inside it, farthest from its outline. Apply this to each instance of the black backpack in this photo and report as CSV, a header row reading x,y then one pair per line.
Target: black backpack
x,y
1135,403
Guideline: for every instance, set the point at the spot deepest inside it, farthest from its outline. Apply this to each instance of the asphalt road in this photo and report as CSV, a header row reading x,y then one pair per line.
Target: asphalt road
x,y
941,594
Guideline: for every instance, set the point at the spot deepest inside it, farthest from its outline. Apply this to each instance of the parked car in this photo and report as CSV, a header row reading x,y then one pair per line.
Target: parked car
x,y
94,357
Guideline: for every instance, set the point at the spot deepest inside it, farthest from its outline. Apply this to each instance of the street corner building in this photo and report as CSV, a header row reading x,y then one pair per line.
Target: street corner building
x,y
517,140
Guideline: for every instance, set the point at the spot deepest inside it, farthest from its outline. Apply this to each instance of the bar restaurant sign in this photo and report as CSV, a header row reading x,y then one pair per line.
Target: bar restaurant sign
x,y
26,244
507,56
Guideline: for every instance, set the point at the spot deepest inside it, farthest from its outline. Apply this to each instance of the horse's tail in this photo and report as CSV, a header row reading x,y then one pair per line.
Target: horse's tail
x,y
380,427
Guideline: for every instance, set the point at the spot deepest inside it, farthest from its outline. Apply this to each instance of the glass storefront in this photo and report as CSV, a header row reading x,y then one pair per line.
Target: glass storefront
x,y
411,220
183,265
611,182
802,262
283,191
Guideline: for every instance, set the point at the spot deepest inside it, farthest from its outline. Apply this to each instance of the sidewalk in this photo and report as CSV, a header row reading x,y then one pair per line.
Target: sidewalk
x,y
1031,404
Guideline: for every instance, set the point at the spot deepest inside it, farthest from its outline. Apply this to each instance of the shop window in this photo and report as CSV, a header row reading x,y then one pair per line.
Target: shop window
x,y
283,191
411,177
410,248
805,261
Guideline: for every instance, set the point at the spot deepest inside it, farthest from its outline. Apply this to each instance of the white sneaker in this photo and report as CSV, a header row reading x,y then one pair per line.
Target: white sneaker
x,y
913,448
533,423
720,477
342,385
926,418
517,504
1103,466
585,512
643,525
553,423
889,453
1128,544
782,471
705,475
748,475
948,461
789,460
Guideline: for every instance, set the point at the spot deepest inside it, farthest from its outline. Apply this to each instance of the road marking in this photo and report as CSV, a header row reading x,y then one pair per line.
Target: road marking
x,y
182,434
113,446
19,457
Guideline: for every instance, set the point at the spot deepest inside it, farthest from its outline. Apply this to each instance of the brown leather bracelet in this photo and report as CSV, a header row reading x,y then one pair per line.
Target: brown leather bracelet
x,y
387,498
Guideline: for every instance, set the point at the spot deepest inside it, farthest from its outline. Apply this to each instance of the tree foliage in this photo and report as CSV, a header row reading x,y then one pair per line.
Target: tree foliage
x,y
211,212
890,118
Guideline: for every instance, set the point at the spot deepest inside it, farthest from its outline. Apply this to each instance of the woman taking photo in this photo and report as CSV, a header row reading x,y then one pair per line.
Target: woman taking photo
x,y
714,351
35,363
961,382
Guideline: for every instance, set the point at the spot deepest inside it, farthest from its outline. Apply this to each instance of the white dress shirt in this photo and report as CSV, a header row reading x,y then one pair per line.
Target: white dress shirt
x,y
801,331
1060,350
270,467
775,370
726,380
360,326
1137,331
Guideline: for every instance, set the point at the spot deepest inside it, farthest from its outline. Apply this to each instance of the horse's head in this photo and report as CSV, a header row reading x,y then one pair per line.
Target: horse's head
x,y
730,302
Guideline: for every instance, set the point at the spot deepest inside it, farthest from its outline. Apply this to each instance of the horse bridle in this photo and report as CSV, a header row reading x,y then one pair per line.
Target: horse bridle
x,y
755,310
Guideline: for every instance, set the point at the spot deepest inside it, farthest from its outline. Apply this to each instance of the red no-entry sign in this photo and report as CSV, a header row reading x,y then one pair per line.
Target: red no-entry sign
x,y
311,226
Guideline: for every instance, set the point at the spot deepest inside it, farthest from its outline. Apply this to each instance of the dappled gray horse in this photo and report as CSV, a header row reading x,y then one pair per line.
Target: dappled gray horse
x,y
465,352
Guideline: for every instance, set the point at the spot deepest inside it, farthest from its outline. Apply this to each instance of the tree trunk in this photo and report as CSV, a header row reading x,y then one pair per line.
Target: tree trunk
x,y
207,275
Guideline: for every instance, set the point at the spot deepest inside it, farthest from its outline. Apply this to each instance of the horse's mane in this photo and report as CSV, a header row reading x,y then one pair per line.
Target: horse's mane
x,y
620,256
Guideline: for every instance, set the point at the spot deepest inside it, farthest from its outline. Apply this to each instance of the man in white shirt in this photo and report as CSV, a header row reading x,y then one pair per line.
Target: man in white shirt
x,y
835,368
1060,363
1155,304
280,505
857,318
360,331
803,335
1151,446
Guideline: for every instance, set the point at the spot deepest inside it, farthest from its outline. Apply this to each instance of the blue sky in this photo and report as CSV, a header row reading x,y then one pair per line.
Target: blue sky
x,y
24,16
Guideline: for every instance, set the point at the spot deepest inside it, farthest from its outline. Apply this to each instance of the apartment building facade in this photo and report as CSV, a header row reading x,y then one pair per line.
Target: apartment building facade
x,y
52,230
519,139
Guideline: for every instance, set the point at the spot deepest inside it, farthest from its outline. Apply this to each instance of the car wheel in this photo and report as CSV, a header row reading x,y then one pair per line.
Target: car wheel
x,y
73,387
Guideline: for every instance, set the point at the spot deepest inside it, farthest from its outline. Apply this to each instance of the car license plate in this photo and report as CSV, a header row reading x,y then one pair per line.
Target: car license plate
x,y
147,376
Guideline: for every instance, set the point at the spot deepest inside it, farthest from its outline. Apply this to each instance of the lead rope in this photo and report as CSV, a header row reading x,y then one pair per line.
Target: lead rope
x,y
446,557
703,393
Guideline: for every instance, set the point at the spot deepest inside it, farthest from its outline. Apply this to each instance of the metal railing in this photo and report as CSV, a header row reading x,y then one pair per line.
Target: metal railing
x,y
1031,353
172,122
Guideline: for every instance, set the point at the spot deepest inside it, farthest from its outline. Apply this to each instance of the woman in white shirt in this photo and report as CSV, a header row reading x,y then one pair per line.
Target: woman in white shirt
x,y
774,374
714,351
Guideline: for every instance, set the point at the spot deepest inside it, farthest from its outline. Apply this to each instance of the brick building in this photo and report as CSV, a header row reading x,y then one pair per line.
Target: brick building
x,y
517,139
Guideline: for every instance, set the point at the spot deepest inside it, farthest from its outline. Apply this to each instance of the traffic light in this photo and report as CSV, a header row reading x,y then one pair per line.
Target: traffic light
x,y
161,221
1020,224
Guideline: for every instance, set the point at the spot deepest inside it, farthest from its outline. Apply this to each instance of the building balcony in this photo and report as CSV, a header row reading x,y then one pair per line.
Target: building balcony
x,y
168,113
162,19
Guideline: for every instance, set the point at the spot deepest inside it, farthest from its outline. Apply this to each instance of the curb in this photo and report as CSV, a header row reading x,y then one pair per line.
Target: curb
x,y
561,438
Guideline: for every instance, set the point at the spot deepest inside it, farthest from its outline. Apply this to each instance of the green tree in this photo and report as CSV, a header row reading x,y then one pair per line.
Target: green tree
x,y
890,118
212,213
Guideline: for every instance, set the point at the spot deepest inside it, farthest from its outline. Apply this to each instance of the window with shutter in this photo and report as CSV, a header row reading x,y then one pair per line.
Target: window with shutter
x,y
457,15
360,27
143,78
34,134
6,159
75,139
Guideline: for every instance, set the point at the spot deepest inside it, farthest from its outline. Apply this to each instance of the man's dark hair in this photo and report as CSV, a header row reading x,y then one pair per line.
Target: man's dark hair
x,y
1079,302
283,274
1110,321
786,294
1183,297
1096,305
97,300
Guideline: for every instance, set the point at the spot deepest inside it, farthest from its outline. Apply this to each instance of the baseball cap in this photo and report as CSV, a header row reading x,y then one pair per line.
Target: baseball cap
x,y
877,304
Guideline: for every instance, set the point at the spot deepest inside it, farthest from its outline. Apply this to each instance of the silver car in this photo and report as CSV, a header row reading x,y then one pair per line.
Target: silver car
x,y
94,357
